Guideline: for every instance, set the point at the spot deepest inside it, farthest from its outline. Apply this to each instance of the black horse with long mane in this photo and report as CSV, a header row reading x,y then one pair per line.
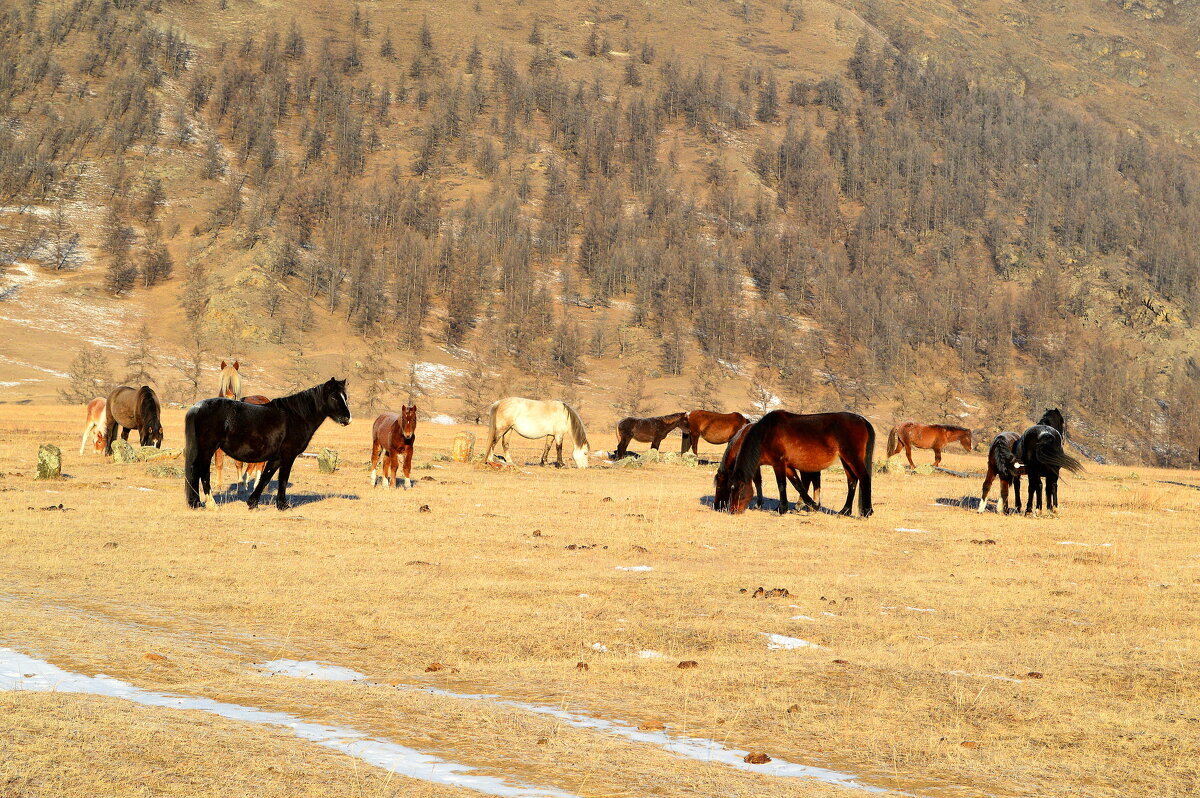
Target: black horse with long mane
x,y
275,433
133,409
1040,448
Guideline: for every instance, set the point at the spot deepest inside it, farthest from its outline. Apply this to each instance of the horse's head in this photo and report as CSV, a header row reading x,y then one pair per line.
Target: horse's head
x,y
408,421
967,442
581,455
721,488
154,436
101,440
337,407
740,494
1053,417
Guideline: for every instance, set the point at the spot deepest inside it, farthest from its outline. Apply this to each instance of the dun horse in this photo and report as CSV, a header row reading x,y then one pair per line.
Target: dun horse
x,y
392,435
1040,448
926,436
787,441
1002,463
246,471
712,427
535,419
94,426
806,479
133,409
647,430
275,433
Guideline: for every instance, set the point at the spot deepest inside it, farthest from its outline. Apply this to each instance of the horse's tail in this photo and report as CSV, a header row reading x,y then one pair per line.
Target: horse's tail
x,y
578,433
1050,453
492,409
750,457
1006,462
893,441
191,460
864,495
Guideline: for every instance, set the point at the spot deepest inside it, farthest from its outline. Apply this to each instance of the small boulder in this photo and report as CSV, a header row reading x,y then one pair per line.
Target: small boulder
x,y
327,461
123,452
756,758
49,462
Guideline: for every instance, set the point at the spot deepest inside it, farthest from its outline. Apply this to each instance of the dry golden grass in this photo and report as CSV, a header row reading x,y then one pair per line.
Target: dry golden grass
x,y
894,694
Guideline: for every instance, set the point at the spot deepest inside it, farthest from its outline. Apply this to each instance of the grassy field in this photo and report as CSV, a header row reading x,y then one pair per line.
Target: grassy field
x,y
955,654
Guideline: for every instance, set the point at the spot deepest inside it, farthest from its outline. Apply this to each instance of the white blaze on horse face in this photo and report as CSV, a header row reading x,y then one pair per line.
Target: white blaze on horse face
x,y
346,404
581,457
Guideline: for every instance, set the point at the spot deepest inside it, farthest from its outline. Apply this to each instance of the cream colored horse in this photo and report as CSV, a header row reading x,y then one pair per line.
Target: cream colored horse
x,y
231,381
533,419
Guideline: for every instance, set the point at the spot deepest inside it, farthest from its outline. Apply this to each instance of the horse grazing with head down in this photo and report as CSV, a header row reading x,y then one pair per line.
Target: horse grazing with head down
x,y
1040,448
133,409
94,426
394,434
647,430
534,419
926,436
712,427
806,479
787,441
1003,463
275,433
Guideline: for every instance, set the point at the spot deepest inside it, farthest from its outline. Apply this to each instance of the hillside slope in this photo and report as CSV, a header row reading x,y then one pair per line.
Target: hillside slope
x,y
951,211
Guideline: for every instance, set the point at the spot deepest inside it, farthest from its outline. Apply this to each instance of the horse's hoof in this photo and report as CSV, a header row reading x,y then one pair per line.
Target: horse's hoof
x,y
407,483
283,506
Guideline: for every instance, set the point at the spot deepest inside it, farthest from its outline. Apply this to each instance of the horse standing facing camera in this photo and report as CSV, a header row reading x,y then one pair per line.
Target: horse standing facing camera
x,y
394,434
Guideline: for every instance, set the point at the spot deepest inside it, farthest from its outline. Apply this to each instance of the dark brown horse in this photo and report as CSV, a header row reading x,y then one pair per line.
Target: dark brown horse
x,y
712,427
926,436
787,441
806,479
1002,463
133,409
394,434
1040,448
647,430
246,471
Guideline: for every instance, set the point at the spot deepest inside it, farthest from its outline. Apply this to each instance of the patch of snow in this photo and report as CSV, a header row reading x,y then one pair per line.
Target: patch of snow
x,y
603,649
648,654
43,369
435,375
21,672
633,568
1073,543
984,676
801,618
913,531
309,669
442,418
785,642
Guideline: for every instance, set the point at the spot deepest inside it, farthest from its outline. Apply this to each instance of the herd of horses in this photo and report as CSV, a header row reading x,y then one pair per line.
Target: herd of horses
x,y
263,437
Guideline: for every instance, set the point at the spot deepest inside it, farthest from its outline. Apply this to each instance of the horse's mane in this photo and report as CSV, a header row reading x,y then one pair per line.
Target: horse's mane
x,y
304,404
1053,418
750,457
949,427
673,418
147,405
230,380
577,430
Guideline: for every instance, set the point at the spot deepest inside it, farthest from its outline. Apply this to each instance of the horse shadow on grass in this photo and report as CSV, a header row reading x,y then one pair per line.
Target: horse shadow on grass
x,y
295,500
772,506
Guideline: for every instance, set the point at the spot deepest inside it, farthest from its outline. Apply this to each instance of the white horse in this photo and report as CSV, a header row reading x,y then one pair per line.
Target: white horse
x,y
533,419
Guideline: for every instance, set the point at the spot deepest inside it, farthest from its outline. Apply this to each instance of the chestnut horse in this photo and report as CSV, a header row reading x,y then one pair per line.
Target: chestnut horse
x,y
712,427
721,480
246,471
647,430
133,409
1040,448
93,425
926,436
1002,463
391,435
788,441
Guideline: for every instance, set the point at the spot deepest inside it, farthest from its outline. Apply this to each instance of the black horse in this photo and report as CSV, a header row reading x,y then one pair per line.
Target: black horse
x,y
275,433
1040,448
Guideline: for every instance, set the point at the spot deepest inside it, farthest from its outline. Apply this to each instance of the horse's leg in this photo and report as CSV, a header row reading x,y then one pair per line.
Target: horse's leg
x,y
1003,508
219,462
263,478
1016,483
654,443
800,483
86,429
285,470
937,456
987,488
546,451
1035,487
622,445
408,453
816,483
558,442
391,467
125,433
758,487
851,488
374,462
781,481
1052,494
504,447
908,454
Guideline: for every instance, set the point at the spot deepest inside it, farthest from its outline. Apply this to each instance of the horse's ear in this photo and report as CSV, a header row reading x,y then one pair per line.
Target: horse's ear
x,y
222,365
235,365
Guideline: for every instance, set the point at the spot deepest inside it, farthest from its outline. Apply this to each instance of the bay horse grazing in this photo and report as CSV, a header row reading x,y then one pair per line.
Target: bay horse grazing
x,y
926,436
245,471
394,434
534,419
802,443
806,479
94,426
133,409
231,381
1040,448
275,433
647,430
712,427
1003,463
